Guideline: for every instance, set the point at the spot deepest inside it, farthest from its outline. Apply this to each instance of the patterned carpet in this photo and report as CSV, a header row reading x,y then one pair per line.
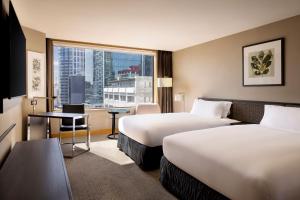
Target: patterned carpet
x,y
94,177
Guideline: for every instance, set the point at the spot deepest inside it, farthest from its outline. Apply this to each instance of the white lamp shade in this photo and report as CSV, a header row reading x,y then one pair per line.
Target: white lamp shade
x,y
179,97
164,82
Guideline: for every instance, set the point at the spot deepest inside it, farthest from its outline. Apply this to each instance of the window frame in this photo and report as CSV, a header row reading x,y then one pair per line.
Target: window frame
x,y
104,47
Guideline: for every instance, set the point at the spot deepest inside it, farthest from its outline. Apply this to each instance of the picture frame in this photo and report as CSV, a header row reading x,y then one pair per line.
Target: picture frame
x,y
263,63
36,74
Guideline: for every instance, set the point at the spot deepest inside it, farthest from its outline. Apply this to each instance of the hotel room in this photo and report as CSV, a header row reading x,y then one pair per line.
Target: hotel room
x,y
160,99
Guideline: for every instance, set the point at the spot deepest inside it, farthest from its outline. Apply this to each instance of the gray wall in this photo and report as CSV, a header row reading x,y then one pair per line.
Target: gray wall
x,y
214,69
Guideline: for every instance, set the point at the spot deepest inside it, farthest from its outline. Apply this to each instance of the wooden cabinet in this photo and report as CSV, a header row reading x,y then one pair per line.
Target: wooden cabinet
x,y
35,170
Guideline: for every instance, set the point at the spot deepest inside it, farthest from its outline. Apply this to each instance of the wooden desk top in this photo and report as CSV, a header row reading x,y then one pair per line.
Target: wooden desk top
x,y
58,115
35,170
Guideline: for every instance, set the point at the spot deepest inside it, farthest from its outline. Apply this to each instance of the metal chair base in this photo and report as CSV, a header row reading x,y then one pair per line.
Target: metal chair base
x,y
75,151
113,136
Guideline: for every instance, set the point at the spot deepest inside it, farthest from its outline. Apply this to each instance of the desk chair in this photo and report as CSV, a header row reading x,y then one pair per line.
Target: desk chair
x,y
80,124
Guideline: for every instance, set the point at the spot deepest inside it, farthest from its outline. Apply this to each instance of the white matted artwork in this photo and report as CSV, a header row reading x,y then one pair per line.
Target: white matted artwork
x,y
36,74
263,63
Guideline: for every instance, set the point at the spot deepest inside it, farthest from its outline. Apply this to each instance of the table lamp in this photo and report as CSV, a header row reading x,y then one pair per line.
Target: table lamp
x,y
34,101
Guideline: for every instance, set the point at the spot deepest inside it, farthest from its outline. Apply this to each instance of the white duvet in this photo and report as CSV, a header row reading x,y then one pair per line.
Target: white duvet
x,y
150,129
248,162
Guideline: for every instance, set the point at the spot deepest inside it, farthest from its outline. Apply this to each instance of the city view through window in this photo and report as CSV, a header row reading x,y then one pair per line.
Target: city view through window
x,y
100,78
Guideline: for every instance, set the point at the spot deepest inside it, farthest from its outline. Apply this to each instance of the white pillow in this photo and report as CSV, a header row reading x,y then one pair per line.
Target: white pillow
x,y
226,108
281,117
208,109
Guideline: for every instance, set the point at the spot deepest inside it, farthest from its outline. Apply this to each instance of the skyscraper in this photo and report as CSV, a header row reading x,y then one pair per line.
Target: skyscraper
x,y
148,63
76,89
71,62
108,69
98,57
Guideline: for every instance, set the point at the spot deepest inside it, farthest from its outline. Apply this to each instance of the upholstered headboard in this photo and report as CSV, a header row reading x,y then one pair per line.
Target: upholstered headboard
x,y
249,111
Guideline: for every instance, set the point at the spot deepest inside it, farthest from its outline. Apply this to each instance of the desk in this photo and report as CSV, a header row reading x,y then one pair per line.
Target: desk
x,y
35,170
113,112
60,115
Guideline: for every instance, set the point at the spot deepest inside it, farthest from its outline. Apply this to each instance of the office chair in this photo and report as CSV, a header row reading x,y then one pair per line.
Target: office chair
x,y
80,124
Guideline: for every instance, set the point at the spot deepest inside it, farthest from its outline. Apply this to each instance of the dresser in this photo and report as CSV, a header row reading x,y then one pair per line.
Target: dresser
x,y
35,170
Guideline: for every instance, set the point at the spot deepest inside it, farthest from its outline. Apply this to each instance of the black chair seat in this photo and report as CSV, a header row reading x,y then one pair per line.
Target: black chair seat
x,y
70,127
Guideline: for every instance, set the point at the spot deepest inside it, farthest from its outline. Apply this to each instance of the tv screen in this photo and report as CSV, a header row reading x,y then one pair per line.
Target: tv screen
x,y
17,58
4,48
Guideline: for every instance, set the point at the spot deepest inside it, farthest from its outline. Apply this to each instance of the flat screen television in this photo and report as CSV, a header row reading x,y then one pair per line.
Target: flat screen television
x,y
13,55
4,55
17,71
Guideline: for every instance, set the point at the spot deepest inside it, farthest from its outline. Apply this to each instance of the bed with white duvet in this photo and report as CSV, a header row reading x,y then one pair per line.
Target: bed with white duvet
x,y
259,161
150,129
141,136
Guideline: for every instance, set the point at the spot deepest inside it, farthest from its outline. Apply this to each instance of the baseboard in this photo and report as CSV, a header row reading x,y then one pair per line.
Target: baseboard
x,y
82,133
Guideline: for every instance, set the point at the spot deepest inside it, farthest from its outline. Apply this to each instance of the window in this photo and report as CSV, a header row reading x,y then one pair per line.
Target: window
x,y
97,77
123,98
130,98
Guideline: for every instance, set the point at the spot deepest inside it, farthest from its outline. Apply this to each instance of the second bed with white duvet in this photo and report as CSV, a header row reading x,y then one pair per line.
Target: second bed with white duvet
x,y
241,162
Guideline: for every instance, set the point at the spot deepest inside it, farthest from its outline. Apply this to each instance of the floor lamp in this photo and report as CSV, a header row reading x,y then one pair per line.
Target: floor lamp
x,y
180,98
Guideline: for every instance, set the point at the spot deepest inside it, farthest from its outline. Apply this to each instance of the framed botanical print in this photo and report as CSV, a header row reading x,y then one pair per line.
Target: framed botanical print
x,y
36,74
263,63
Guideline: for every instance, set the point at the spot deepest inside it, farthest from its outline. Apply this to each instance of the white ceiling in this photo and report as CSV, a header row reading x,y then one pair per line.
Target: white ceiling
x,y
153,24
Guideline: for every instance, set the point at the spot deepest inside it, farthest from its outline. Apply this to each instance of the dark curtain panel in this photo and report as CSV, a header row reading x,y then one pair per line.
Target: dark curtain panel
x,y
164,69
49,74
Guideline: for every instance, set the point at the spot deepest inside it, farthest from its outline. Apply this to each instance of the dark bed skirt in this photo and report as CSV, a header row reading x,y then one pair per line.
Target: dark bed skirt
x,y
183,185
147,158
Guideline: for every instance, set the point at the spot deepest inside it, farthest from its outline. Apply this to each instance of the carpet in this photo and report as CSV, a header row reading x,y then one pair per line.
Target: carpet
x,y
102,147
108,149
94,177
